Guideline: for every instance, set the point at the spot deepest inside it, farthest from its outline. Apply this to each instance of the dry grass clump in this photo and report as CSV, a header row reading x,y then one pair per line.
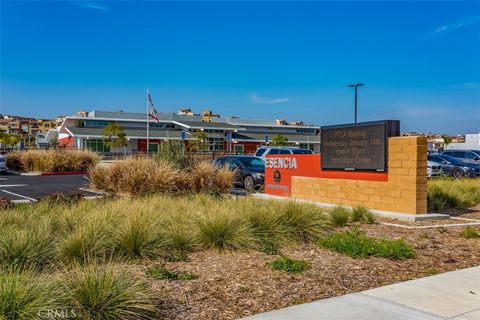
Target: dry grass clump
x,y
449,193
51,160
141,175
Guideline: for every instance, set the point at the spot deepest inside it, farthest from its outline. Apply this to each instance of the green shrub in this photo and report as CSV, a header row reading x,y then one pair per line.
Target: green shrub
x,y
266,226
221,229
29,247
162,273
104,292
449,193
91,240
24,295
290,265
356,244
339,216
432,272
470,232
369,217
173,153
137,237
302,222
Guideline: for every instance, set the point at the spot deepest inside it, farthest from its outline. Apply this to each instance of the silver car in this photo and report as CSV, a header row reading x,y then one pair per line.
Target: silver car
x,y
433,169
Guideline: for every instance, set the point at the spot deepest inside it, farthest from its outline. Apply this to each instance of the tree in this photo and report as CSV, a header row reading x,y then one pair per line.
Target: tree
x,y
200,140
447,140
9,140
279,140
114,136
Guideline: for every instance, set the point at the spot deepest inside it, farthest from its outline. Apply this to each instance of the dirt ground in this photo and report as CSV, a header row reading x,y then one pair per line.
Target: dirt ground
x,y
238,284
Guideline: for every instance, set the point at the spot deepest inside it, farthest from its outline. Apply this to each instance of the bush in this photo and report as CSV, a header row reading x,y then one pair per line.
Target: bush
x,y
222,229
30,247
470,232
173,153
5,203
137,237
289,265
162,273
362,214
450,193
103,292
24,295
355,244
90,241
339,216
51,160
302,222
140,175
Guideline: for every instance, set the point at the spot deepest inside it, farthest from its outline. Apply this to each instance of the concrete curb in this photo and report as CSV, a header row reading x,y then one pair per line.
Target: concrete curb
x,y
34,174
408,217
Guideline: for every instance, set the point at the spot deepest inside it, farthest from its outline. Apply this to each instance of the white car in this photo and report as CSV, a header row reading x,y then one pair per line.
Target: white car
x,y
3,163
433,169
262,152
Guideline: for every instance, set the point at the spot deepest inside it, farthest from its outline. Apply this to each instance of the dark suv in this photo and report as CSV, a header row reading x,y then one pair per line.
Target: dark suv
x,y
249,170
472,156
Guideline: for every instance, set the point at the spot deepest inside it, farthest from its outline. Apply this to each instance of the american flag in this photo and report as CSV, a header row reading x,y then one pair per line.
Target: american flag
x,y
152,111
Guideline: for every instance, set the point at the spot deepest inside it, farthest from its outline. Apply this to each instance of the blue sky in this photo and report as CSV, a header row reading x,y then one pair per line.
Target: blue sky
x,y
420,61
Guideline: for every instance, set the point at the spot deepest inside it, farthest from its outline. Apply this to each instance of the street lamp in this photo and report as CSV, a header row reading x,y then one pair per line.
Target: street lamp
x,y
356,86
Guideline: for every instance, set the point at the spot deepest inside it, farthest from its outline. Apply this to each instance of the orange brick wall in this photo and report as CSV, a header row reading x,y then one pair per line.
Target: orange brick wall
x,y
405,191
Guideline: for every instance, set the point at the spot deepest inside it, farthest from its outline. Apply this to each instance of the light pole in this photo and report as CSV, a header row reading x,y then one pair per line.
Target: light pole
x,y
356,86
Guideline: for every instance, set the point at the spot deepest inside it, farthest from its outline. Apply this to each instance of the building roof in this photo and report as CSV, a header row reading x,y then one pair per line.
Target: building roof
x,y
194,121
257,137
130,133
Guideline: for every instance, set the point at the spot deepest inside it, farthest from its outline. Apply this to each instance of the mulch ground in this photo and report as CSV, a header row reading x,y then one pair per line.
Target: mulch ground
x,y
238,284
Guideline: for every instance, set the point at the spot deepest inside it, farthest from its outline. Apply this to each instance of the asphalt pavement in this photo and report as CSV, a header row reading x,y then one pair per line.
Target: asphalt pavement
x,y
31,188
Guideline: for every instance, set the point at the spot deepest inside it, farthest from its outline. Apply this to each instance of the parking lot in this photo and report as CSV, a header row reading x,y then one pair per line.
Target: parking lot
x,y
31,188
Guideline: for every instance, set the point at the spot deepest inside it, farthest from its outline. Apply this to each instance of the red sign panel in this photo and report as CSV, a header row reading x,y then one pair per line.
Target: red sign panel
x,y
279,170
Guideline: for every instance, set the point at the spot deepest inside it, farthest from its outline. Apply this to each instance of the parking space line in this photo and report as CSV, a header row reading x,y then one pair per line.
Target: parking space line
x,y
12,185
19,195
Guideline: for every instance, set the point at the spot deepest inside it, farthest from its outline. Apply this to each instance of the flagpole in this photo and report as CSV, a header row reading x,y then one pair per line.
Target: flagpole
x,y
148,126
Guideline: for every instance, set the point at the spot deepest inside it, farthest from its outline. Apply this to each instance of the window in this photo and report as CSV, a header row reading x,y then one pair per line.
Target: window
x,y
96,145
232,163
215,144
459,154
302,151
260,152
471,155
283,151
274,151
95,123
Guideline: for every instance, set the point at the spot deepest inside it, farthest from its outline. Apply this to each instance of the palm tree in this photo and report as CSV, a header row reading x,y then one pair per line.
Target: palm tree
x,y
279,140
114,136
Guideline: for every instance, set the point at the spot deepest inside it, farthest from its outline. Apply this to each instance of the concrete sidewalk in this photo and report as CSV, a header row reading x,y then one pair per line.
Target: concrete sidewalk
x,y
451,295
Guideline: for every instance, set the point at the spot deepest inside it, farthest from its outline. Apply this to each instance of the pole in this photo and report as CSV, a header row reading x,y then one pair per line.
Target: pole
x,y
356,87
148,124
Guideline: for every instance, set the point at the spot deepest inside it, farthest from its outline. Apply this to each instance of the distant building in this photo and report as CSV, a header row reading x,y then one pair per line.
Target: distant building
x,y
223,134
472,141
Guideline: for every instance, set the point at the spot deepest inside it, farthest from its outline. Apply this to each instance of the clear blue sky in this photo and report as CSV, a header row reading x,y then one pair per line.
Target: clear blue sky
x,y
420,61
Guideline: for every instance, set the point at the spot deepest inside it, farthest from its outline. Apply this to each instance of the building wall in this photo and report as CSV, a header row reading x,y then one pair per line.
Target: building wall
x,y
404,191
472,141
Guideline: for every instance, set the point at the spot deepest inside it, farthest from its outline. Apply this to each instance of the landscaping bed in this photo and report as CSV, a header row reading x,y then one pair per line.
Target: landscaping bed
x,y
239,284
199,256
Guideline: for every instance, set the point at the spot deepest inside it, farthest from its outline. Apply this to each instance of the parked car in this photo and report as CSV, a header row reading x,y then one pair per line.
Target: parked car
x,y
249,170
262,152
455,167
3,163
472,156
433,169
